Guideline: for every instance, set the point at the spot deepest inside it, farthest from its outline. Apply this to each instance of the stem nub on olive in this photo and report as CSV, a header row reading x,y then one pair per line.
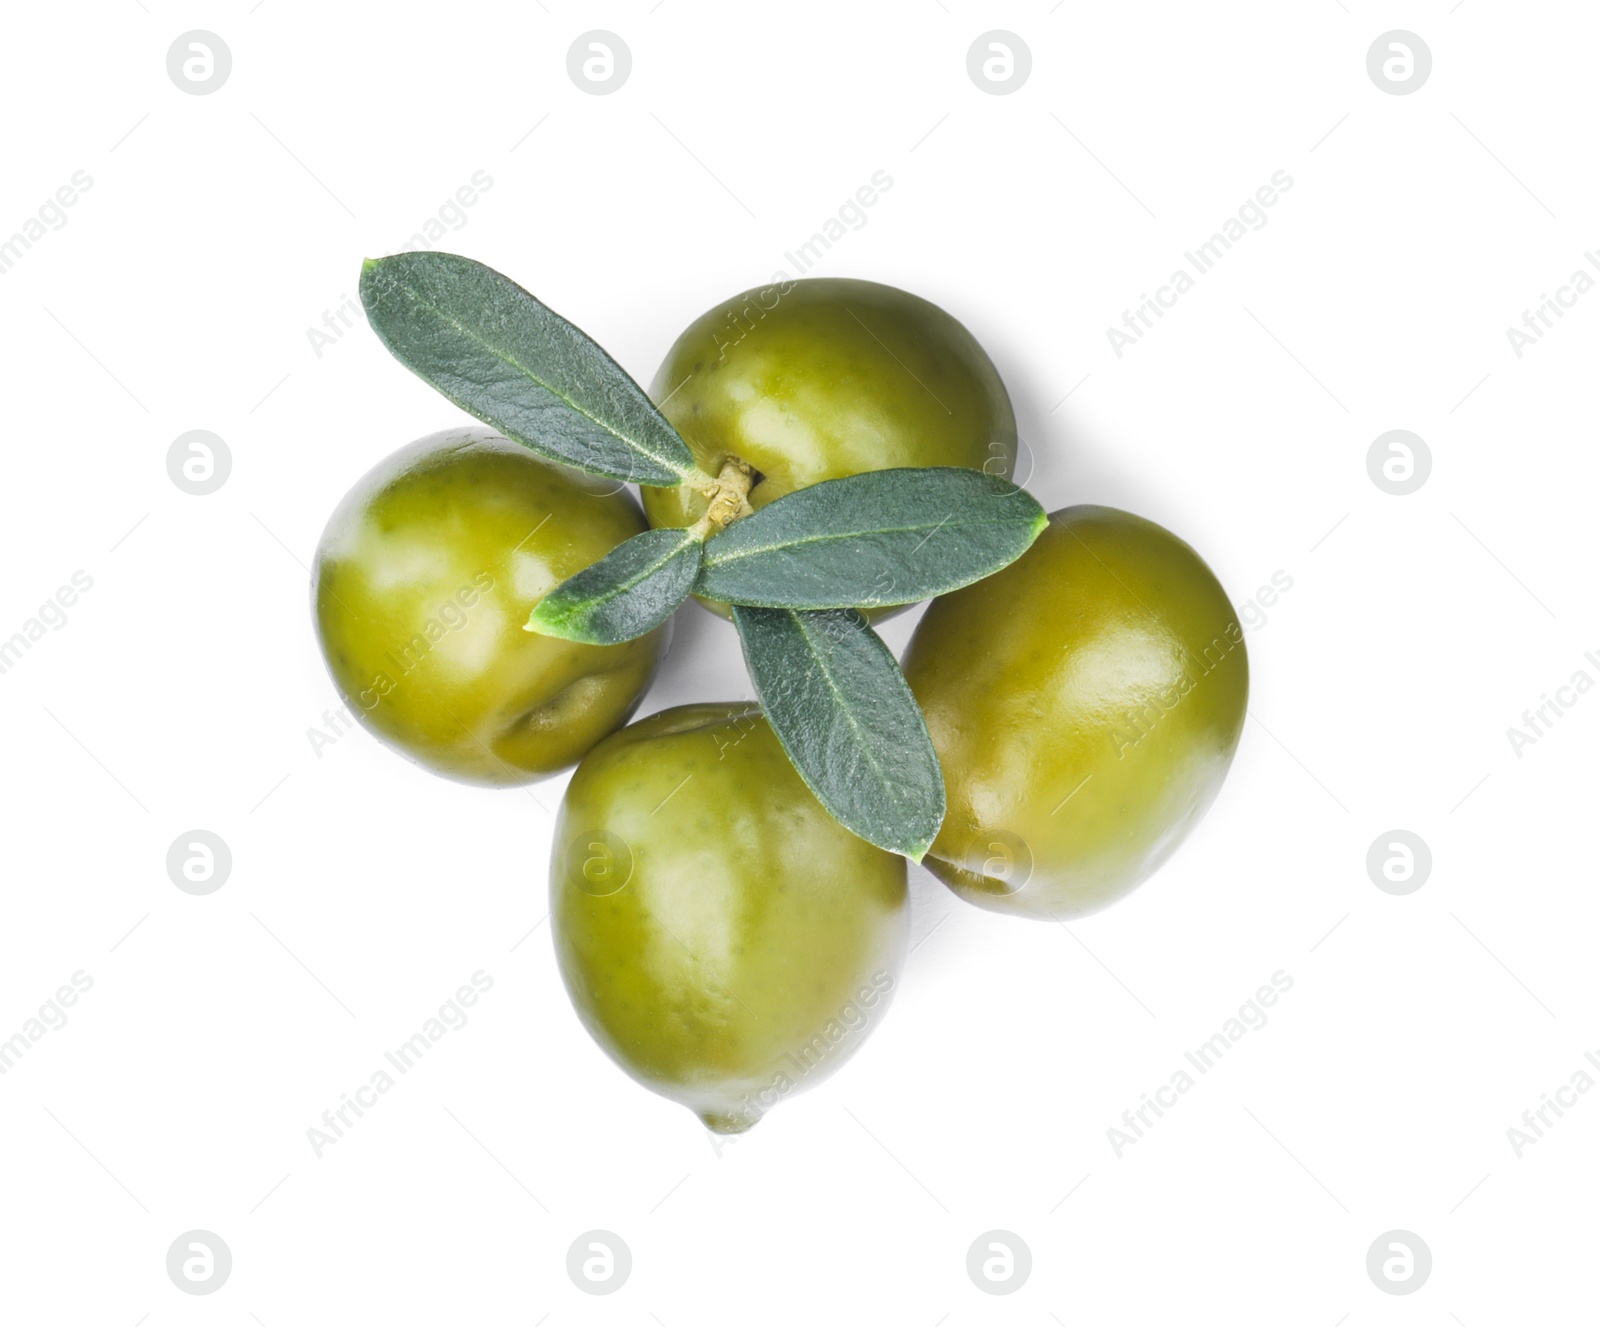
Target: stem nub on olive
x,y
825,377
722,937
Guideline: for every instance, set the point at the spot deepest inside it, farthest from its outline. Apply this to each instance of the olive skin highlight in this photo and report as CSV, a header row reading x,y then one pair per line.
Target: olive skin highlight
x,y
722,937
1085,703
822,378
423,580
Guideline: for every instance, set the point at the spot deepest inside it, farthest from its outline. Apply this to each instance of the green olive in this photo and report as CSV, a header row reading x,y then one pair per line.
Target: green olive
x,y
1085,704
424,578
722,937
827,377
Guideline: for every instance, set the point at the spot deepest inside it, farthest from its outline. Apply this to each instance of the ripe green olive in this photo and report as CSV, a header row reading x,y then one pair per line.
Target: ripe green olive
x,y
822,378
1085,703
424,578
722,937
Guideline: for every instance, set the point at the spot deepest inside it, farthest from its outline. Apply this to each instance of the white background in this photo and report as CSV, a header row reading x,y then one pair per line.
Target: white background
x,y
180,691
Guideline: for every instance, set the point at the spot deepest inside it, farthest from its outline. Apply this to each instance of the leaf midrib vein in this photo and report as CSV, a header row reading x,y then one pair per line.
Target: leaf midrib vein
x,y
624,586
496,353
843,706
739,554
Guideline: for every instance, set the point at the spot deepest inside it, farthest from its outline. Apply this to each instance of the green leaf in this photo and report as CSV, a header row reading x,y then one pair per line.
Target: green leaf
x,y
499,354
841,707
873,539
633,589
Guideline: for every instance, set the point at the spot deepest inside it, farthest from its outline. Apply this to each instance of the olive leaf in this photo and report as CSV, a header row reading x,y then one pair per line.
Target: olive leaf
x,y
841,707
502,356
632,590
873,539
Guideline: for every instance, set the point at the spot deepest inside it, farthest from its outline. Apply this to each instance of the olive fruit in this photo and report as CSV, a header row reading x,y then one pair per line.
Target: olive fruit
x,y
423,580
1085,703
722,937
822,378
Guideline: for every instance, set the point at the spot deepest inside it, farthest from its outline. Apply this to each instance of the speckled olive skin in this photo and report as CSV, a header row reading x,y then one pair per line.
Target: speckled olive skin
x,y
1085,704
817,379
721,936
423,580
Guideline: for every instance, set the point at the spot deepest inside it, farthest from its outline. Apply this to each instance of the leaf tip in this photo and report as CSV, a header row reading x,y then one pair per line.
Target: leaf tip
x,y
562,626
538,623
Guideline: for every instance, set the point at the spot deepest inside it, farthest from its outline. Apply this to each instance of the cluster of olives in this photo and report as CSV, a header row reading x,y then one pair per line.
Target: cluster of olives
x,y
722,937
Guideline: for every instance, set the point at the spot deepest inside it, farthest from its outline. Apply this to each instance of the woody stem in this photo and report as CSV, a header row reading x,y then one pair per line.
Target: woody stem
x,y
728,498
